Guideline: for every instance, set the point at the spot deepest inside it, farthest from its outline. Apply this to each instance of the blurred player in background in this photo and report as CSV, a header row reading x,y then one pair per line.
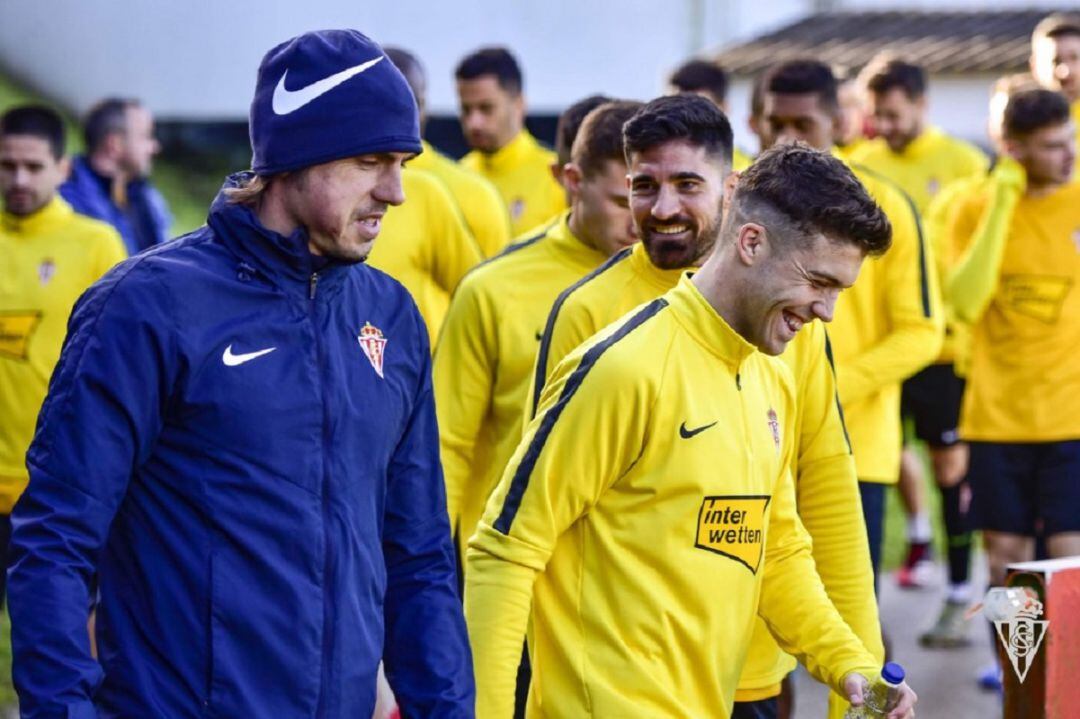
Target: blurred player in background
x,y
851,133
1055,58
111,182
50,256
921,160
490,92
708,79
479,201
484,360
566,129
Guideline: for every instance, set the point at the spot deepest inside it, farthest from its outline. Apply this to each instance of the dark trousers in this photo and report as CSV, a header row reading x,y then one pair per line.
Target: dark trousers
x,y
873,507
761,709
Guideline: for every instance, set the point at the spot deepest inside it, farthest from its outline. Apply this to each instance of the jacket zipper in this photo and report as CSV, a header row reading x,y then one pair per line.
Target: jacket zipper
x,y
321,707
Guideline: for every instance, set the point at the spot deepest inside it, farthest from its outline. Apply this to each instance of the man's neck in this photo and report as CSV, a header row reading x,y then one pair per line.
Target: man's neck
x,y
579,232
715,282
1042,189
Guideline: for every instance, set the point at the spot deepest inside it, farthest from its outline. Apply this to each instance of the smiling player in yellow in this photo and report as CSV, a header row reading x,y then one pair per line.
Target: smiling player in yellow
x,y
676,195
632,542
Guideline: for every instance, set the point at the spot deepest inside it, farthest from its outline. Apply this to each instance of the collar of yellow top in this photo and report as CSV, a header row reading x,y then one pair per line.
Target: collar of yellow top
x,y
426,159
926,142
512,153
642,266
703,321
563,237
48,216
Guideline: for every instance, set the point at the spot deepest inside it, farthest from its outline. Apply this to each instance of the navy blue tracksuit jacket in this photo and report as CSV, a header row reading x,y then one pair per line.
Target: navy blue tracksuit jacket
x,y
242,445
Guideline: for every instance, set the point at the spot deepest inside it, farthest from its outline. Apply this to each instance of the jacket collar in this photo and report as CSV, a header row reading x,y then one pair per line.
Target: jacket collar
x,y
662,280
45,218
286,261
706,325
510,155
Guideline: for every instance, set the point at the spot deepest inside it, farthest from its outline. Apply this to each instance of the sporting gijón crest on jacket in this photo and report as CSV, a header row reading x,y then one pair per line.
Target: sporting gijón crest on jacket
x,y
258,440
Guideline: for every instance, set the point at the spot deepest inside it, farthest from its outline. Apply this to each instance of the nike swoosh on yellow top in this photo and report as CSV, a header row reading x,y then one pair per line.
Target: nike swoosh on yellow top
x,y
688,433
232,360
286,101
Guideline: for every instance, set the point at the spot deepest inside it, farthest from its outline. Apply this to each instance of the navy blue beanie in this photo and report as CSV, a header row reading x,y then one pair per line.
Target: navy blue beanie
x,y
328,95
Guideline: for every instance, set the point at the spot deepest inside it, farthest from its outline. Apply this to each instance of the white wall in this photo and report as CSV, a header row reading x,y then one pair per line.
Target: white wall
x,y
196,59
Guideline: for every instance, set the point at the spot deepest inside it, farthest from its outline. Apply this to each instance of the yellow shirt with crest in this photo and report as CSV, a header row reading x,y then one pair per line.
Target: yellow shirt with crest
x,y
479,201
425,245
484,359
521,172
47,260
644,521
1024,378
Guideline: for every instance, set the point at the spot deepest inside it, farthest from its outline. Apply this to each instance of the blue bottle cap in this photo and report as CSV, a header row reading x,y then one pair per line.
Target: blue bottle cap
x,y
892,673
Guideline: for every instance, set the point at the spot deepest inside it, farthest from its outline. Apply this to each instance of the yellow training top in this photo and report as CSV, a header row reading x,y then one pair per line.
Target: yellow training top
x,y
1018,285
424,245
646,517
825,481
1075,108
479,201
885,329
48,259
521,172
939,225
929,162
484,359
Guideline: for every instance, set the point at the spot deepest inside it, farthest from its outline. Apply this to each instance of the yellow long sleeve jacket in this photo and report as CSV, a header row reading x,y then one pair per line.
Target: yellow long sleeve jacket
x,y
479,201
824,472
484,358
521,172
885,329
47,260
424,245
645,519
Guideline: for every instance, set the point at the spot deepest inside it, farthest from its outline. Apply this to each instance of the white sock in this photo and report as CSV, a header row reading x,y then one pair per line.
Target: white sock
x,y
960,593
918,528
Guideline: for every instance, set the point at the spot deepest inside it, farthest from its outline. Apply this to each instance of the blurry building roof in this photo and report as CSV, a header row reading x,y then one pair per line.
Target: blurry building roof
x,y
952,43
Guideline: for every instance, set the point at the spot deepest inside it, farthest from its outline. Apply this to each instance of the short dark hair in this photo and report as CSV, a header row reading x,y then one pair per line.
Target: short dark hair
x,y
105,118
570,123
600,138
885,74
815,193
1057,25
679,117
38,121
695,75
802,77
1030,110
495,61
410,67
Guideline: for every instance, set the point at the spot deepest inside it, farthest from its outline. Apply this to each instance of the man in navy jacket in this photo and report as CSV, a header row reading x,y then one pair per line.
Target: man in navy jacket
x,y
240,442
111,182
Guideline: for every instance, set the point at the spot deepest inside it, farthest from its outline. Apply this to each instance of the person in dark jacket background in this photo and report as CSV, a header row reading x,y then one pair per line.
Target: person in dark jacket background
x,y
240,442
111,181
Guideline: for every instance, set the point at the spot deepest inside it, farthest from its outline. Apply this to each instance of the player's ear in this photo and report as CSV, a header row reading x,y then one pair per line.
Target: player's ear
x,y
572,176
750,242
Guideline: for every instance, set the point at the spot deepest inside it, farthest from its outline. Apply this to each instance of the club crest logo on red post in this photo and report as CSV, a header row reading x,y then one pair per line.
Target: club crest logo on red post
x,y
374,345
774,425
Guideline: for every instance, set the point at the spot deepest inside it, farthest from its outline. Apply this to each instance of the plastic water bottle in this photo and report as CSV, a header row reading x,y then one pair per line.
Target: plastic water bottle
x,y
881,696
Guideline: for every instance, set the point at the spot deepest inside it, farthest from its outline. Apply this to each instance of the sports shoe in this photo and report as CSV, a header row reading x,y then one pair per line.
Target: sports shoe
x,y
950,630
990,678
917,571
